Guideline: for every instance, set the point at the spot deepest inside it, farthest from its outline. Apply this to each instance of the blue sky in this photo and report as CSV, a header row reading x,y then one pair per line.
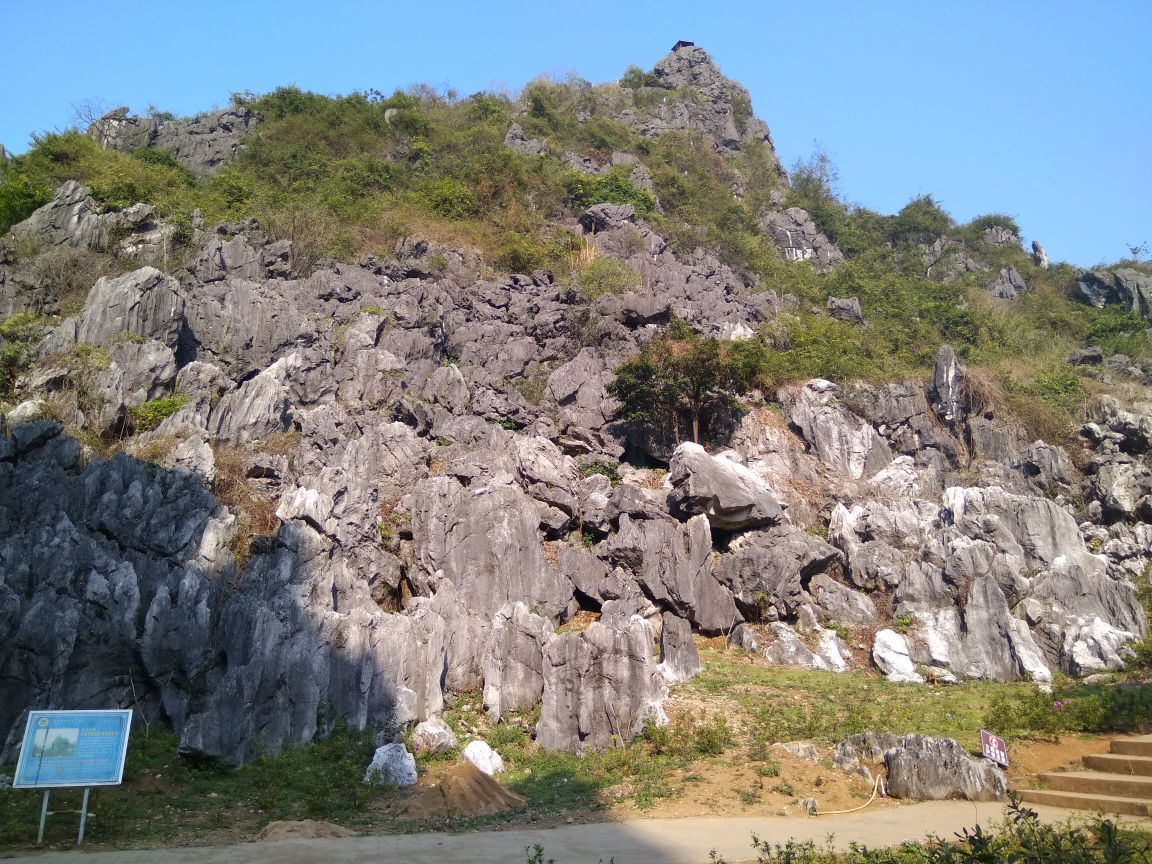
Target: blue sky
x,y
1036,109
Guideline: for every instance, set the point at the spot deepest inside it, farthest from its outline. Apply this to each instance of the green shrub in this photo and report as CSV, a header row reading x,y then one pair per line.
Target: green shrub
x,y
634,78
521,255
149,415
607,469
605,276
921,220
612,187
19,334
20,196
451,199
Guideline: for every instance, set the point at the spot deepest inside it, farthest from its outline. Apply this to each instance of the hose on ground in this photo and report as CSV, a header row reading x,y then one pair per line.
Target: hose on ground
x,y
876,784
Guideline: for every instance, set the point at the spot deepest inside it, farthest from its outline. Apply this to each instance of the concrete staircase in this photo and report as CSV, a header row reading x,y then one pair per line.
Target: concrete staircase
x,y
1119,781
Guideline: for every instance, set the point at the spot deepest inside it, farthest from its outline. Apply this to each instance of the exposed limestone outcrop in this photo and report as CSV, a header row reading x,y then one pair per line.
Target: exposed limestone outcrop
x,y
203,143
427,478
799,239
600,685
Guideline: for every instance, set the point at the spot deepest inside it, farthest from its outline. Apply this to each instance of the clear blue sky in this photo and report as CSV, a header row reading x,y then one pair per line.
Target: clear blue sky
x,y
1042,110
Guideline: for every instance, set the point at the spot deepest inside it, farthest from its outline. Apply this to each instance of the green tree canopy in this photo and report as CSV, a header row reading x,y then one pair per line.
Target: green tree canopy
x,y
685,376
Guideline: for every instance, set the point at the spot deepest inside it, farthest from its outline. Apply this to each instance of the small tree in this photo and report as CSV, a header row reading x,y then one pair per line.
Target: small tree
x,y
686,375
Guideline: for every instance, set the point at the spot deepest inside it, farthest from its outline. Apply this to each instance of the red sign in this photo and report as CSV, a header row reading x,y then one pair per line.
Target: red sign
x,y
994,748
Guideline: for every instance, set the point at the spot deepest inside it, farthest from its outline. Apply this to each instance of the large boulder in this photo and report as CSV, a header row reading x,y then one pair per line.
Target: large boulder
x,y
392,765
730,495
936,769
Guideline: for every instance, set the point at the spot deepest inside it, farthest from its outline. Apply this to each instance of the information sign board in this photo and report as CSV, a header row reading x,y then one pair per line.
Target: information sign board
x,y
994,748
73,748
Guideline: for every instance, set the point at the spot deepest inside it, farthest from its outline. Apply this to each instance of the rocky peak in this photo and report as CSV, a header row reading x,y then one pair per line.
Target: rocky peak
x,y
689,67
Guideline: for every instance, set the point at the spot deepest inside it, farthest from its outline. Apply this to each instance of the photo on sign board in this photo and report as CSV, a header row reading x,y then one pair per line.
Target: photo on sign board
x,y
54,742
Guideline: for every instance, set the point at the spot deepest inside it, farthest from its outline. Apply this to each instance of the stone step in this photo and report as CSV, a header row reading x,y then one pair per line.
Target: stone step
x,y
1095,803
1141,746
1098,783
1114,763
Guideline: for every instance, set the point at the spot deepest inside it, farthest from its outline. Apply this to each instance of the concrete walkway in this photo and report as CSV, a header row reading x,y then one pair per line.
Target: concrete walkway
x,y
644,841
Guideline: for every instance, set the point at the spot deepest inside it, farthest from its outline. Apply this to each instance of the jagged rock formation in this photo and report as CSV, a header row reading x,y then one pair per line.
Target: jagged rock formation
x,y
1124,286
202,143
936,769
425,480
1008,285
799,239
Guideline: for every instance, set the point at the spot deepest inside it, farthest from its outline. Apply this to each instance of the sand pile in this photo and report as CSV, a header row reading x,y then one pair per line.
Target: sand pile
x,y
463,792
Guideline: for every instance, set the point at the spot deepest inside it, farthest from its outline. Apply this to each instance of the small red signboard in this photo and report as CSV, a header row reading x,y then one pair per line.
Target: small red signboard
x,y
994,748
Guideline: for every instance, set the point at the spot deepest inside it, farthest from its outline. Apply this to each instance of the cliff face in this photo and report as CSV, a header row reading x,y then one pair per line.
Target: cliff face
x,y
386,481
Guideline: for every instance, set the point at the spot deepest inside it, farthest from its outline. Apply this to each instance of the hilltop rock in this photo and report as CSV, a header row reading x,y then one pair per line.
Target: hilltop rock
x,y
203,143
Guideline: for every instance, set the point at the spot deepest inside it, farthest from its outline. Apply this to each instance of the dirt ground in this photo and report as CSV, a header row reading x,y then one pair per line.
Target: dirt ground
x,y
736,787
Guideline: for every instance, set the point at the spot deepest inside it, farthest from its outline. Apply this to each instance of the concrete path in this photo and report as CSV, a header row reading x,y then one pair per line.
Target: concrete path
x,y
644,841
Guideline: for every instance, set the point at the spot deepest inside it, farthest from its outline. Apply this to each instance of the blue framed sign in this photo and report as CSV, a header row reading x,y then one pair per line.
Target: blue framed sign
x,y
73,748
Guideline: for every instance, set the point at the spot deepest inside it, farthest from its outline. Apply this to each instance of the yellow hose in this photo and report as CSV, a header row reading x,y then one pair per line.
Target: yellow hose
x,y
875,786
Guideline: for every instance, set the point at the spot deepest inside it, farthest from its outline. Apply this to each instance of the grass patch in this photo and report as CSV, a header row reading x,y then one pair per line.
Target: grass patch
x,y
782,704
168,799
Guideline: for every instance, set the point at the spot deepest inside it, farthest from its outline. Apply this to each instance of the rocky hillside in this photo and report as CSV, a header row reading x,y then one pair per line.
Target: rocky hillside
x,y
315,414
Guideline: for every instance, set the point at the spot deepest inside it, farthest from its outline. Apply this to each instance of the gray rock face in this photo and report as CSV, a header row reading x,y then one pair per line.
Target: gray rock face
x,y
513,676
938,769
1124,286
769,573
679,659
107,582
846,309
732,497
518,140
946,390
673,564
799,239
143,303
1008,285
600,686
257,409
1039,256
203,143
484,541
73,218
842,441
